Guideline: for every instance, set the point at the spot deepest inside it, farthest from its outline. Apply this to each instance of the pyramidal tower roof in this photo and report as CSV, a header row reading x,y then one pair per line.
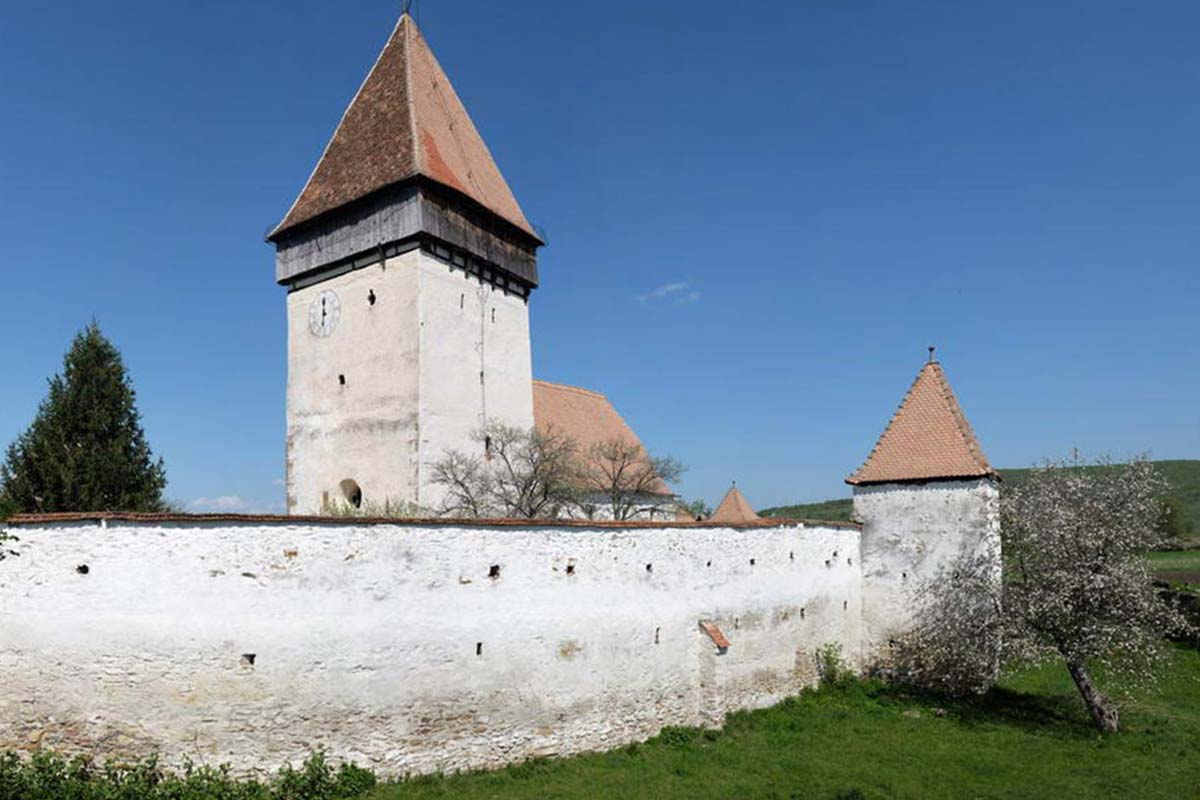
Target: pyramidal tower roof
x,y
405,121
928,438
734,508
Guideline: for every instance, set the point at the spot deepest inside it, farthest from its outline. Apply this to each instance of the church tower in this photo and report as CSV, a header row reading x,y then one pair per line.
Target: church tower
x,y
409,266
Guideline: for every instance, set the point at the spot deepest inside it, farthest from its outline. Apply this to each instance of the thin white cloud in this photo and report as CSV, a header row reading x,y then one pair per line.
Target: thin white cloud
x,y
666,290
688,299
226,502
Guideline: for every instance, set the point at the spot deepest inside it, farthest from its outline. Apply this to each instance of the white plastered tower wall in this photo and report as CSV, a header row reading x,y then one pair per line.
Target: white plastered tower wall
x,y
435,354
475,366
912,534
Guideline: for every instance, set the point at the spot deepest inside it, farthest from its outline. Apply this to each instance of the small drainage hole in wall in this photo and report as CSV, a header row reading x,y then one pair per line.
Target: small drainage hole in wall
x,y
792,556
371,297
248,659
341,380
479,648
570,569
494,571
82,569
709,564
752,562
649,568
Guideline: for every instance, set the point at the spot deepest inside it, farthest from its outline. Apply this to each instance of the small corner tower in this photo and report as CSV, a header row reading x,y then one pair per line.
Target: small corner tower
x,y
926,497
734,508
409,266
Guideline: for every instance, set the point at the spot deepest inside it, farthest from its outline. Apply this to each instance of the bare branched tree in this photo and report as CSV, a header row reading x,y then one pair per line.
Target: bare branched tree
x,y
625,477
467,484
954,647
533,473
520,473
1075,587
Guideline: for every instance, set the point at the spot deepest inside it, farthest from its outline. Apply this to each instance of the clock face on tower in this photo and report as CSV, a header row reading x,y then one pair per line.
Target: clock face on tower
x,y
323,314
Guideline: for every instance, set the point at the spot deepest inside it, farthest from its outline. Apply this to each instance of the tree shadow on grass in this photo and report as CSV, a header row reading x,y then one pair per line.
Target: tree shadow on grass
x,y
1060,714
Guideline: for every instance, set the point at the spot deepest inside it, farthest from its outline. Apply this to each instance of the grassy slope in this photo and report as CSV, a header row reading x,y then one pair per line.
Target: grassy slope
x,y
1029,738
1183,475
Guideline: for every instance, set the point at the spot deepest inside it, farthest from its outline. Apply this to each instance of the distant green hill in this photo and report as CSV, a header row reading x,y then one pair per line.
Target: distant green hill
x,y
1184,477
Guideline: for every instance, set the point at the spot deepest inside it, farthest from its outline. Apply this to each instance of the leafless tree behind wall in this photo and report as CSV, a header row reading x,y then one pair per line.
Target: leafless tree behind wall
x,y
626,477
515,473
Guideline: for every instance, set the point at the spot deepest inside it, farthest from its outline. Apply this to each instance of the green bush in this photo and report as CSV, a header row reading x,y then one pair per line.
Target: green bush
x,y
48,776
832,667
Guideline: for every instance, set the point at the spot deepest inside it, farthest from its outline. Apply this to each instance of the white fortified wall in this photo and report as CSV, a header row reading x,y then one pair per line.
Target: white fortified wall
x,y
408,647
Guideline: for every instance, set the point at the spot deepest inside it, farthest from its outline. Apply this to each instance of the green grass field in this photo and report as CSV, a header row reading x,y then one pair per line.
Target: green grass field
x,y
1184,477
1030,738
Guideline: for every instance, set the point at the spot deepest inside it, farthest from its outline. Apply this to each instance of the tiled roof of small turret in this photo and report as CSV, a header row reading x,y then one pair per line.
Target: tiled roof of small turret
x,y
928,438
406,120
734,508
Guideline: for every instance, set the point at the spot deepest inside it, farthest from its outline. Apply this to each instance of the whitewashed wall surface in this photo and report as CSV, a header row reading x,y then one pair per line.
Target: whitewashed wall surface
x,y
408,647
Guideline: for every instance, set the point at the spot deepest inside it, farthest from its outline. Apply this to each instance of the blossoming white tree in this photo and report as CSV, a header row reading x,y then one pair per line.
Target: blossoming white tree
x,y
1075,587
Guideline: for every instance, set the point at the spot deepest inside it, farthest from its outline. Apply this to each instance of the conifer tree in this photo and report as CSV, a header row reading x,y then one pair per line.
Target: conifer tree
x,y
86,450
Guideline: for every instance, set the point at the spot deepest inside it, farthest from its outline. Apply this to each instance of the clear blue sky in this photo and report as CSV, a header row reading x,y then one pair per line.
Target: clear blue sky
x,y
837,185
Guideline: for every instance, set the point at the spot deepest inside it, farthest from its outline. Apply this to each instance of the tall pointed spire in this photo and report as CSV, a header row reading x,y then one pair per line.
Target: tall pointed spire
x,y
405,121
928,438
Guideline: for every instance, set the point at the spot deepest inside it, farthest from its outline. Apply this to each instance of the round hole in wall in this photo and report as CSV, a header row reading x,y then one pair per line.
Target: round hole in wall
x,y
494,572
752,562
570,569
352,492
709,564
649,568
341,380
82,569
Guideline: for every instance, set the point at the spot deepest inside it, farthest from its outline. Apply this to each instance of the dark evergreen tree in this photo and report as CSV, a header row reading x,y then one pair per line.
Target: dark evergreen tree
x,y
86,450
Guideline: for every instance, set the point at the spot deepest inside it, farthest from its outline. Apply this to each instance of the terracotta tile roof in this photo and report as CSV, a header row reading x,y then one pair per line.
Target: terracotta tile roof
x,y
734,508
928,438
583,415
406,120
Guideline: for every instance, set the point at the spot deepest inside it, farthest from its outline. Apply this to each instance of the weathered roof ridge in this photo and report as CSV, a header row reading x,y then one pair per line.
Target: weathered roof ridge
x,y
927,438
129,516
569,388
405,121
